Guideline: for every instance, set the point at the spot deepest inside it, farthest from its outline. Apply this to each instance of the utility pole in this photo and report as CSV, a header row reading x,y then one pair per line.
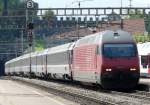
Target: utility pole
x,y
22,42
78,22
121,3
29,23
79,5
29,29
77,1
130,5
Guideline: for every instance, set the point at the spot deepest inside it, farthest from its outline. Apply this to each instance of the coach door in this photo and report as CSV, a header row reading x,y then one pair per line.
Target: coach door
x,y
144,65
45,64
144,61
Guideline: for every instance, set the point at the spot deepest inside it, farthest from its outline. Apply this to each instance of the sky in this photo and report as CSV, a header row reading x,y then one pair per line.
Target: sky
x,y
91,3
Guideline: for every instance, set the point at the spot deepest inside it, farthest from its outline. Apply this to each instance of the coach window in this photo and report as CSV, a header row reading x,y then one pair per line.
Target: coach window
x,y
60,58
144,61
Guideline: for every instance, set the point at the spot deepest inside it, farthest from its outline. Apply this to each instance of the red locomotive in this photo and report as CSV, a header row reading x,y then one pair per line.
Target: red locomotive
x,y
109,58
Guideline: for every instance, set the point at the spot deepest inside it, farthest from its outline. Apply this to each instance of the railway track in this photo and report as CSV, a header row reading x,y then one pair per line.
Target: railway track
x,y
137,94
88,96
84,97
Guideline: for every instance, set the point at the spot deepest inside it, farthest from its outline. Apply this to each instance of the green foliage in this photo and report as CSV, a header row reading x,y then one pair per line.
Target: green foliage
x,y
16,8
139,14
6,23
48,15
14,5
147,23
141,38
1,6
39,45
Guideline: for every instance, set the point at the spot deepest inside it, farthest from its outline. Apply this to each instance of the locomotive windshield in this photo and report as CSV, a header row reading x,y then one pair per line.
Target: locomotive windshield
x,y
119,50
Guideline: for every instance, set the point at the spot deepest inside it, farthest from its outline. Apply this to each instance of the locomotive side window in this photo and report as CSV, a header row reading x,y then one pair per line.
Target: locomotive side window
x,y
144,61
119,50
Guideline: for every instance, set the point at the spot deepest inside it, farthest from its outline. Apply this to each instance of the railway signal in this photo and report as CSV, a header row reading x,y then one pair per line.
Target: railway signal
x,y
30,27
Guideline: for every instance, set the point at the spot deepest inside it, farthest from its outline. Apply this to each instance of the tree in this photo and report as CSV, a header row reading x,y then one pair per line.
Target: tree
x,y
139,14
15,5
1,6
147,23
48,16
17,22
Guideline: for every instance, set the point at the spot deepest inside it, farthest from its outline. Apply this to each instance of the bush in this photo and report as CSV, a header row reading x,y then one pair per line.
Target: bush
x,y
39,45
141,38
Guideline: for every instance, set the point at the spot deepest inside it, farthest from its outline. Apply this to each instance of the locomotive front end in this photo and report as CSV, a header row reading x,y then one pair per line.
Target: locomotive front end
x,y
120,65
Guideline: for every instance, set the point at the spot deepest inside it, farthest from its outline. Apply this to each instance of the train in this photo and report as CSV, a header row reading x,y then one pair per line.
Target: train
x,y
108,59
144,58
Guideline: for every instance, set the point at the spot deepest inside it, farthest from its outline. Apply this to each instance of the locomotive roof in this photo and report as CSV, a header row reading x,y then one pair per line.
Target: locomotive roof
x,y
107,36
117,36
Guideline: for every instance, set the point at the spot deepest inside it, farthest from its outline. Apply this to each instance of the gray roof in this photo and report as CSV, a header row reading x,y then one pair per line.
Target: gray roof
x,y
107,36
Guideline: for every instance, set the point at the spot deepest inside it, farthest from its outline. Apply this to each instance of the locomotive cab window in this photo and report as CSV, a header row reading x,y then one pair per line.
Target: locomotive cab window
x,y
119,50
144,61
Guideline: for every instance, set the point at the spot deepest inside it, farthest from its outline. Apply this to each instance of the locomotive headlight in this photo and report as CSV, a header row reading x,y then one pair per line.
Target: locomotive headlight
x,y
108,69
132,69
